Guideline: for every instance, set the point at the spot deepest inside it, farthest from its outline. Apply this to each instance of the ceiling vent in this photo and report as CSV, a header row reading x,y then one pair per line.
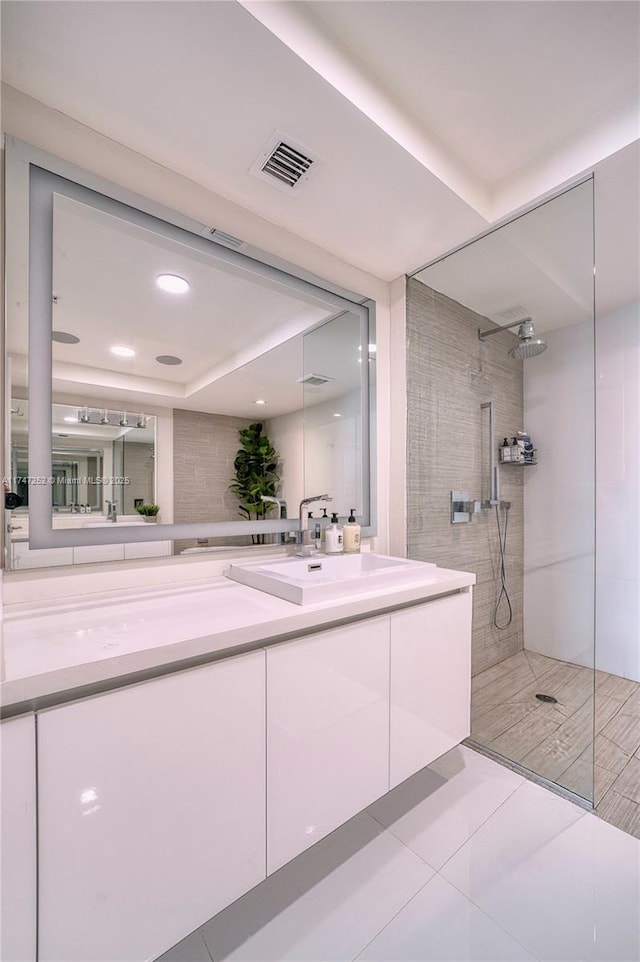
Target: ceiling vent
x,y
284,163
315,380
511,314
219,236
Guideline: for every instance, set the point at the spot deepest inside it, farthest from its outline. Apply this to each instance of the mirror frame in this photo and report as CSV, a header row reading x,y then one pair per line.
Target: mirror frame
x,y
33,176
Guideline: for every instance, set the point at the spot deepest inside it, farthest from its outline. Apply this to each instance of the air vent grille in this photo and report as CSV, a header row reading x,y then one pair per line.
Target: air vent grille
x,y
510,314
220,237
284,163
315,380
287,164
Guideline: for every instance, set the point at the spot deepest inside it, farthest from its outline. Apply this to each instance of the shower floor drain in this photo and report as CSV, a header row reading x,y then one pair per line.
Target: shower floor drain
x,y
547,698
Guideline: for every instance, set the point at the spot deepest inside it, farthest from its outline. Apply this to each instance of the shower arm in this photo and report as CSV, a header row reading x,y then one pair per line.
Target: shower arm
x,y
505,327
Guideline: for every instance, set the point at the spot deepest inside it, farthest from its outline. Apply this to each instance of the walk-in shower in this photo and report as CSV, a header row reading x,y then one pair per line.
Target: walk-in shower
x,y
469,396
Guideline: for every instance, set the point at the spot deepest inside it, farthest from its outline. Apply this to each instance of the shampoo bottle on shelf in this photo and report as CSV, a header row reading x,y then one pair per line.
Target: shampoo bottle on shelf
x,y
525,440
516,450
351,534
333,537
505,451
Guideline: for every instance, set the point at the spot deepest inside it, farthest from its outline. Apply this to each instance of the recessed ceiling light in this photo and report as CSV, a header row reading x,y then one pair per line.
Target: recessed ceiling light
x,y
259,401
168,359
63,338
172,283
71,420
337,415
123,351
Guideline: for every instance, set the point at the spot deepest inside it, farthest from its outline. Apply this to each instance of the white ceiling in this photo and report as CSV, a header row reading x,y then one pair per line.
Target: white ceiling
x,y
539,266
429,118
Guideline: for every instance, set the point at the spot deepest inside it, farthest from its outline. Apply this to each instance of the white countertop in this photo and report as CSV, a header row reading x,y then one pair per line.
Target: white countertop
x,y
63,648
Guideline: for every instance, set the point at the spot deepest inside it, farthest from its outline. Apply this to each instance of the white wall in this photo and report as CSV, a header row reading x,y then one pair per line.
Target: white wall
x,y
318,454
559,495
331,445
286,433
618,492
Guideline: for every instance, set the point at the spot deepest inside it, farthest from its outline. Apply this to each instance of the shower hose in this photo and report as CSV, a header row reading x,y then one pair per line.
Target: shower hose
x,y
503,595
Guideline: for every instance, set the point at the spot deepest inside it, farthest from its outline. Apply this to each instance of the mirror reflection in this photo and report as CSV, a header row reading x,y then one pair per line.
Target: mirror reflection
x,y
162,355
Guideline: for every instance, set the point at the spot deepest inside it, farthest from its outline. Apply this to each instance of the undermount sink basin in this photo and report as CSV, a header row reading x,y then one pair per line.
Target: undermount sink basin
x,y
305,581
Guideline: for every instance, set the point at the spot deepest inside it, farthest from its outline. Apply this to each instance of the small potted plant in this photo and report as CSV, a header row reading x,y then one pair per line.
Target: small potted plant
x,y
148,511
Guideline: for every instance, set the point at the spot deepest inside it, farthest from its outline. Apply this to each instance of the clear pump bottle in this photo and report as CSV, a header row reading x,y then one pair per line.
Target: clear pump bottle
x,y
333,537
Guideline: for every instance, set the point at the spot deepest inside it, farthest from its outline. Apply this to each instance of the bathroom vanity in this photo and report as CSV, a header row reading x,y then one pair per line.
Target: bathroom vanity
x,y
191,742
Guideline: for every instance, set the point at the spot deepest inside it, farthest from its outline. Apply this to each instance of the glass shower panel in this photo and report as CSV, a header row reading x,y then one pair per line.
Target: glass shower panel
x,y
529,282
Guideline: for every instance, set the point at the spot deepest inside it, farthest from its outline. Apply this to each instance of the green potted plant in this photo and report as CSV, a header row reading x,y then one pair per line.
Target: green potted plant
x,y
148,511
257,473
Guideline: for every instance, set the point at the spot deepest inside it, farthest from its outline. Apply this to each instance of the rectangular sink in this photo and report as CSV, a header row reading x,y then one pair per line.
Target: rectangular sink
x,y
305,581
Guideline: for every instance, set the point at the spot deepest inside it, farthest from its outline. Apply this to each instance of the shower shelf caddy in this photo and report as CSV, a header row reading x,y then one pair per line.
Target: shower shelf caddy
x,y
521,464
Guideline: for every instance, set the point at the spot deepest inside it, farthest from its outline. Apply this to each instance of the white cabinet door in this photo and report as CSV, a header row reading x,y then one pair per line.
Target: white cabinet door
x,y
327,733
24,557
430,682
98,552
148,549
18,839
151,811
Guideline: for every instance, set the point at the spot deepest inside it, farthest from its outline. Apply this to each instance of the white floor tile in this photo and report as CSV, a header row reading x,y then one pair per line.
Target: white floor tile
x,y
437,810
325,905
562,882
441,924
191,949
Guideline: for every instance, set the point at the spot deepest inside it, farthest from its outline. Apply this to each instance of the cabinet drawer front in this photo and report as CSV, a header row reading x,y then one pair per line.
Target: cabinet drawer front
x,y
152,811
327,733
430,682
18,842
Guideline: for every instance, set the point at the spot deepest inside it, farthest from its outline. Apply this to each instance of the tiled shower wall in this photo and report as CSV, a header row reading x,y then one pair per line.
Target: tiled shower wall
x,y
204,449
450,373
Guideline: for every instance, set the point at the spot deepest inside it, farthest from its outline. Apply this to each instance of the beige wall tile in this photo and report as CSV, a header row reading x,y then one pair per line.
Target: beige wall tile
x,y
450,373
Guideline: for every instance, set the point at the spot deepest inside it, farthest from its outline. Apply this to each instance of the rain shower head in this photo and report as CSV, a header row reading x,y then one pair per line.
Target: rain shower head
x,y
528,346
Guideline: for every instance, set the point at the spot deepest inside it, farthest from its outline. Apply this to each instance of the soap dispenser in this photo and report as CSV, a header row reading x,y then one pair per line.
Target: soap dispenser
x,y
351,534
333,537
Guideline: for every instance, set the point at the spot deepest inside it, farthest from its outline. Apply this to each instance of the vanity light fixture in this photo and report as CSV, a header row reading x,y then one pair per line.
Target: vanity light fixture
x,y
121,351
172,283
104,416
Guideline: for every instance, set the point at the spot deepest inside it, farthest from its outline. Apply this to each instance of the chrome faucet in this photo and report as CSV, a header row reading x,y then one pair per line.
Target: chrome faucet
x,y
305,548
111,511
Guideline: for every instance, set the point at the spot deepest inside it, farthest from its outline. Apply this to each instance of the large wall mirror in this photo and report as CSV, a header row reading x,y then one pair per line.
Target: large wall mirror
x,y
141,355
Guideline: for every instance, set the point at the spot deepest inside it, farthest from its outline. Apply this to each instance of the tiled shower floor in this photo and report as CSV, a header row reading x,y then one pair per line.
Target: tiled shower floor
x,y
556,741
